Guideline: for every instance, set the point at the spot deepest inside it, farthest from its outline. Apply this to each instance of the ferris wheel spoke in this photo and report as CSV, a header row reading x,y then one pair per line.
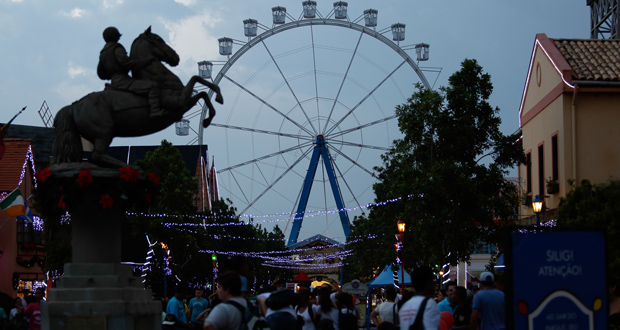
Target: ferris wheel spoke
x,y
360,145
365,98
254,130
344,79
346,183
276,180
352,161
239,186
300,146
271,107
316,81
357,128
290,88
262,184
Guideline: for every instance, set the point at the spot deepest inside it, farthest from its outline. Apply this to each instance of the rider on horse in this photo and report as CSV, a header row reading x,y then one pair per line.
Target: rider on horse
x,y
114,64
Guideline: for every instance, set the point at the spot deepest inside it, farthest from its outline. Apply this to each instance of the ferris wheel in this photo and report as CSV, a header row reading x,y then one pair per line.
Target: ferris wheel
x,y
309,111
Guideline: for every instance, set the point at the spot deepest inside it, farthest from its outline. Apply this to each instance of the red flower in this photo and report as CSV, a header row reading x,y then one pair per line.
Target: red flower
x,y
84,178
43,174
61,203
129,174
148,197
106,201
154,178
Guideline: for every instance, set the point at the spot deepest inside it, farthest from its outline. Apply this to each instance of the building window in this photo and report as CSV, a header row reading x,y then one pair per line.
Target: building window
x,y
528,172
26,233
541,171
554,158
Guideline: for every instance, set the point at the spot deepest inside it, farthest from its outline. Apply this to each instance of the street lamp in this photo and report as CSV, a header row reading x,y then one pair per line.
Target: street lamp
x,y
537,206
401,238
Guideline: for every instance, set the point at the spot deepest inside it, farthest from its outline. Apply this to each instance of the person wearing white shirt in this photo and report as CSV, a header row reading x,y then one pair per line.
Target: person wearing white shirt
x,y
422,281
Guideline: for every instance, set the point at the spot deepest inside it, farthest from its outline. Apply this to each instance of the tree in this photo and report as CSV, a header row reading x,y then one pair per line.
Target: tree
x,y
177,186
189,233
595,206
448,172
174,199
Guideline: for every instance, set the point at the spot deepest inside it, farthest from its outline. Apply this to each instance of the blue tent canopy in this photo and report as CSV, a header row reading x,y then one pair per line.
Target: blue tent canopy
x,y
386,278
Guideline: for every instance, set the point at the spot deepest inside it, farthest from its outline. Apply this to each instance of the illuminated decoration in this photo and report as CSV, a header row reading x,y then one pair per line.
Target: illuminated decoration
x,y
29,159
252,217
167,258
313,267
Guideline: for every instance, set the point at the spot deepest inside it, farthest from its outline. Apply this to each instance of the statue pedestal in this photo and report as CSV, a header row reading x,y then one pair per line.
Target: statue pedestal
x,y
97,292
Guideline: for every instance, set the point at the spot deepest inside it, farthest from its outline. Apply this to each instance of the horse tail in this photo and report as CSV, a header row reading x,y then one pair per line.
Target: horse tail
x,y
67,144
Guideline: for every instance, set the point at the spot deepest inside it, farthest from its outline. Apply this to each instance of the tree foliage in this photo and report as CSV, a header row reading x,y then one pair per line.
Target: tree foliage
x,y
190,234
448,174
595,206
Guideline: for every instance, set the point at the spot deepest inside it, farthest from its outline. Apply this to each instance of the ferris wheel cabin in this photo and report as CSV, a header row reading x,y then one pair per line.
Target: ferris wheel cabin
x,y
370,17
340,9
309,9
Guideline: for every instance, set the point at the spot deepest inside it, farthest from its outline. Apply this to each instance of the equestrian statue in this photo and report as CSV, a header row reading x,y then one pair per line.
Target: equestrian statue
x,y
150,100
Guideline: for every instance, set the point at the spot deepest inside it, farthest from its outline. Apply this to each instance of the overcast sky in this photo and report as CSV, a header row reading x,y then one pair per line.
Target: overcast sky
x,y
49,52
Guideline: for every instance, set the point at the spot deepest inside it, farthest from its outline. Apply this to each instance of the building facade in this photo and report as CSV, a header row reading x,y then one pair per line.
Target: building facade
x,y
568,116
22,254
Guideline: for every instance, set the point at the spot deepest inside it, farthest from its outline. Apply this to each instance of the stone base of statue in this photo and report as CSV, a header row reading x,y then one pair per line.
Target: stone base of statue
x,y
97,292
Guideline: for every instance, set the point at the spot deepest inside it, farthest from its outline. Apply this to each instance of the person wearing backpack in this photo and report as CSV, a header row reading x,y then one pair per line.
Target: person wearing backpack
x,y
305,313
229,314
421,311
279,307
387,311
326,310
347,314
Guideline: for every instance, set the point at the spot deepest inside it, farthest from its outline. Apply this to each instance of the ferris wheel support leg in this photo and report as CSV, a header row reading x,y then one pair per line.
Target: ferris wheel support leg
x,y
305,194
320,149
342,212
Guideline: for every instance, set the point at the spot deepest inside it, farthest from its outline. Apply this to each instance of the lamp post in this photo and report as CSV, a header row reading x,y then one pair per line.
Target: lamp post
x,y
537,206
401,239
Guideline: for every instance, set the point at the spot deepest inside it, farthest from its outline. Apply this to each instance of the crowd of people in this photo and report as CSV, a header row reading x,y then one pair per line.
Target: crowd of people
x,y
453,307
26,313
275,308
323,308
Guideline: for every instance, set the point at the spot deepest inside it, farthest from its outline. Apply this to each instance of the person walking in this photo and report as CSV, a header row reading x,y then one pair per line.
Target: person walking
x,y
488,306
33,310
326,311
228,314
305,313
197,305
421,309
387,311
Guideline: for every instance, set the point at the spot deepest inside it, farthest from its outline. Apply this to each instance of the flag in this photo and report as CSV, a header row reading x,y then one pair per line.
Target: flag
x,y
28,216
13,205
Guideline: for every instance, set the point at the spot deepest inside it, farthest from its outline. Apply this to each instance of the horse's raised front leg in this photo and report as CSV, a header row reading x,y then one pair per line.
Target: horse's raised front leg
x,y
194,99
218,95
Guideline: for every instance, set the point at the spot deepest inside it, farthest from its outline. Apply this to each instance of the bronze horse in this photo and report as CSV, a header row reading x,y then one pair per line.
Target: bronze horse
x,y
99,117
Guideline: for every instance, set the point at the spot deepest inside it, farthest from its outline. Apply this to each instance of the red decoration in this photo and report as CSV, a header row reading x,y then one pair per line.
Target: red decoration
x,y
154,178
43,174
84,178
129,174
106,201
148,197
61,203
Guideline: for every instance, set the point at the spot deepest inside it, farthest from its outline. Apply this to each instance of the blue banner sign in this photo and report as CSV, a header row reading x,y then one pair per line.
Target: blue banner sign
x,y
558,280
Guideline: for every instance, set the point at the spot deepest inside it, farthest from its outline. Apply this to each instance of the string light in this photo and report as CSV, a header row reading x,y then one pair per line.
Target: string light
x,y
29,159
313,267
236,220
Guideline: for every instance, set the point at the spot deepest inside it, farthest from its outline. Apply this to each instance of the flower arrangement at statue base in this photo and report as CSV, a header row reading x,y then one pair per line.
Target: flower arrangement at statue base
x,y
62,187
